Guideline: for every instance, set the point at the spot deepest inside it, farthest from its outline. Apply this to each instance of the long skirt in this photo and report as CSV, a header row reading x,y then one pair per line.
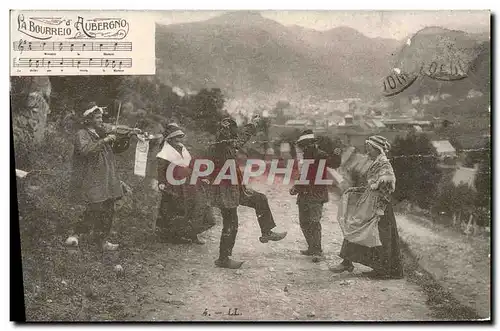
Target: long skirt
x,y
185,215
385,258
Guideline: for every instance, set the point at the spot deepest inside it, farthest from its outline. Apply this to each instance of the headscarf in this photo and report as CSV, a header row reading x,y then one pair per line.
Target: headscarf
x,y
173,130
381,170
92,108
380,143
182,157
86,119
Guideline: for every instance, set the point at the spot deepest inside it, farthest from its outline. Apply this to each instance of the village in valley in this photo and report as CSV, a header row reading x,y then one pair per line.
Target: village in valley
x,y
425,151
352,120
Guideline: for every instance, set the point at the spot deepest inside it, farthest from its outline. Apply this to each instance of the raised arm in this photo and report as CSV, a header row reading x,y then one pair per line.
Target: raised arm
x,y
84,145
334,161
245,133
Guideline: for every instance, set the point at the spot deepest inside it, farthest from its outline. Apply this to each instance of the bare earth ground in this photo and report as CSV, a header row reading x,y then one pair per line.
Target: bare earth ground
x,y
460,263
258,289
165,282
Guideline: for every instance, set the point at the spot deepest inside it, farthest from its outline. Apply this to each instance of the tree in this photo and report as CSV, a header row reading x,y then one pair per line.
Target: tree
x,y
206,108
457,201
444,202
482,181
279,110
416,170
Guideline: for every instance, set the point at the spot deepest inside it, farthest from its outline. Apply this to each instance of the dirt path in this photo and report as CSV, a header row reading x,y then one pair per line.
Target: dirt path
x,y
459,263
181,282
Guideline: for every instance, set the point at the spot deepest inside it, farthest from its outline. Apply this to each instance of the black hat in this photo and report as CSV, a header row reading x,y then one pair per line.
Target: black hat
x,y
306,135
228,122
173,130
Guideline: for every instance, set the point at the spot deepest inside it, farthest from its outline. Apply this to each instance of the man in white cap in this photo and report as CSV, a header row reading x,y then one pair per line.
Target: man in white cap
x,y
95,181
312,196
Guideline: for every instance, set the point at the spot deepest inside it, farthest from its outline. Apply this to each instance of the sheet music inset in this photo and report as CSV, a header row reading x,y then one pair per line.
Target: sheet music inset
x,y
46,43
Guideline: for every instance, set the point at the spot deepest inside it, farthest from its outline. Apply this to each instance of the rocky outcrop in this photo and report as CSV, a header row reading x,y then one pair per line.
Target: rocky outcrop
x,y
30,98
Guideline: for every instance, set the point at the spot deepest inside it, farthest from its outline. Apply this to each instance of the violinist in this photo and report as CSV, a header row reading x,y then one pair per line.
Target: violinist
x,y
95,180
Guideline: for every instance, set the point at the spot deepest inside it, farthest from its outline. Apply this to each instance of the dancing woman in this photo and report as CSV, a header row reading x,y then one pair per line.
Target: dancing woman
x,y
367,219
184,210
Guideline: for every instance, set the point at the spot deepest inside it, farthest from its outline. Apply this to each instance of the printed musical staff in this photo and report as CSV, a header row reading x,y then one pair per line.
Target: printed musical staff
x,y
24,45
111,63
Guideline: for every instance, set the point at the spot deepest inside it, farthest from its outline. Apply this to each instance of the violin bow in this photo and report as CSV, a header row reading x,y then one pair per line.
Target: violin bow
x,y
118,115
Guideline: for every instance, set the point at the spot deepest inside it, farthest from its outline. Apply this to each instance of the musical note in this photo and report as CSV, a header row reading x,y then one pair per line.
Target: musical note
x,y
23,45
73,62
20,46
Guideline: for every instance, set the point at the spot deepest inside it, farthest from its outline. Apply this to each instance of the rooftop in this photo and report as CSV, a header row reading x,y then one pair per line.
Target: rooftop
x,y
443,146
298,122
464,176
409,121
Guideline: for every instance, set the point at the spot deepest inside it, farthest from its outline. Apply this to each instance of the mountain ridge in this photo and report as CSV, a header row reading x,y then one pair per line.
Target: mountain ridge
x,y
244,54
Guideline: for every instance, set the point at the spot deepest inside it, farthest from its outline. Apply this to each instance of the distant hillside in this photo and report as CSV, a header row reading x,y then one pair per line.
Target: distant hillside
x,y
443,47
244,53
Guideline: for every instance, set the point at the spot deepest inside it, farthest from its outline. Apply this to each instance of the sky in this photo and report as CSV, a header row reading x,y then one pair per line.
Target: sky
x,y
385,24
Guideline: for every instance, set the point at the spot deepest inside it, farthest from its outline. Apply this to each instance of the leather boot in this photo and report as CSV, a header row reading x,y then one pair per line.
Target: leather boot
x,y
196,240
306,252
272,236
343,266
226,262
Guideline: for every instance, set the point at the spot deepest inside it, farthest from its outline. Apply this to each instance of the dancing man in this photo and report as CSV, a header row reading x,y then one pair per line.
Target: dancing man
x,y
227,196
313,195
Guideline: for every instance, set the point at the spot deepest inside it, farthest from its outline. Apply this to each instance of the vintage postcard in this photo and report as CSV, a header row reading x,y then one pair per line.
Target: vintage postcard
x,y
251,165
81,43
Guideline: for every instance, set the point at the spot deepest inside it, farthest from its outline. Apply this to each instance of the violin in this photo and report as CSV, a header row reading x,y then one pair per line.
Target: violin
x,y
121,131
125,132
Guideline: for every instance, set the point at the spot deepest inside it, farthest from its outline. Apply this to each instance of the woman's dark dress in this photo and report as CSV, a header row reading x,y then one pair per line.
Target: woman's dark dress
x,y
385,258
184,210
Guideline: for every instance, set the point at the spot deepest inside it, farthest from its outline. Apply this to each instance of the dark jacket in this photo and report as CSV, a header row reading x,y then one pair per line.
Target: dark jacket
x,y
313,193
94,177
179,172
225,194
